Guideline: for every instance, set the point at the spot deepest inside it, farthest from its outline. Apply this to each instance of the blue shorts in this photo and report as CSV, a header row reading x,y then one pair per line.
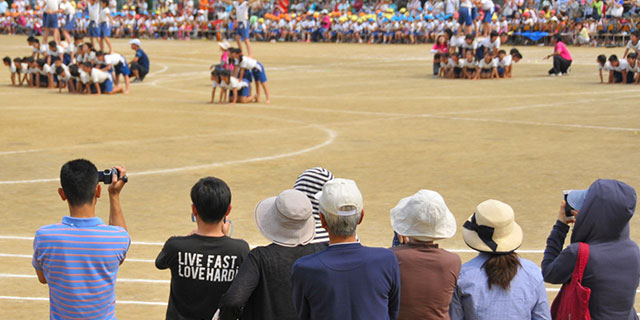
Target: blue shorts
x,y
244,92
106,86
500,71
259,74
480,53
93,30
242,31
105,30
123,69
50,21
66,59
70,23
247,76
465,16
488,14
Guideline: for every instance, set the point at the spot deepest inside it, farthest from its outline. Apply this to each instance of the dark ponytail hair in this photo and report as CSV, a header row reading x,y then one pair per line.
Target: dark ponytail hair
x,y
501,269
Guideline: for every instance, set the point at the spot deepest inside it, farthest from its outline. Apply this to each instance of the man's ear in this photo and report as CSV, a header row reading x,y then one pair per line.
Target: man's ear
x,y
98,190
62,195
361,217
194,211
324,222
228,211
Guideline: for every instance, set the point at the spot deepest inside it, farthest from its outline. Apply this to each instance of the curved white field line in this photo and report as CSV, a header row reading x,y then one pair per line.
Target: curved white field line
x,y
331,135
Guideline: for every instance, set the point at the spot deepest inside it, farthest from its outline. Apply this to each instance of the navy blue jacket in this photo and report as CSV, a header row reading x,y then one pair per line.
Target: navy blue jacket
x,y
613,269
347,282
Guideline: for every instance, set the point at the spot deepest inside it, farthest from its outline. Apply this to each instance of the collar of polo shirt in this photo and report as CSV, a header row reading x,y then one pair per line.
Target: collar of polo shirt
x,y
82,222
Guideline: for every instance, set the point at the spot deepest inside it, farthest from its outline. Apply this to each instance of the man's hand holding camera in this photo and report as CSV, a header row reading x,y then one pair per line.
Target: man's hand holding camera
x,y
116,178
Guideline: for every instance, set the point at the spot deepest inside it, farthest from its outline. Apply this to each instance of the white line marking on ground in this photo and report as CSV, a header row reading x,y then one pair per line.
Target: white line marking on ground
x,y
331,135
164,69
147,303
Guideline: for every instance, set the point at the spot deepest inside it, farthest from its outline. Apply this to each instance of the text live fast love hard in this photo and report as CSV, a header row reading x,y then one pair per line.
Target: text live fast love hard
x,y
198,266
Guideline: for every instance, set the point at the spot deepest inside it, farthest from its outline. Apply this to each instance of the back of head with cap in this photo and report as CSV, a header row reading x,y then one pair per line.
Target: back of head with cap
x,y
340,204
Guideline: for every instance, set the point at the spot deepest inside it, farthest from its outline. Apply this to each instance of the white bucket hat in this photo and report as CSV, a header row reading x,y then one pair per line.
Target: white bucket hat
x,y
338,194
423,216
225,45
492,228
286,220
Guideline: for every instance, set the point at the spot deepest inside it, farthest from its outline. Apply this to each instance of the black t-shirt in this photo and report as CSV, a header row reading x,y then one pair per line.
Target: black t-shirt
x,y
202,269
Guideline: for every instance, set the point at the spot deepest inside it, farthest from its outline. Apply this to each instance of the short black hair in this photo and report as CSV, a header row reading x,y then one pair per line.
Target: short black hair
x,y
99,53
78,37
632,55
557,37
6,60
602,58
636,33
53,44
211,197
493,34
613,58
469,36
31,39
41,62
502,52
59,70
514,52
235,50
17,60
79,179
73,70
35,40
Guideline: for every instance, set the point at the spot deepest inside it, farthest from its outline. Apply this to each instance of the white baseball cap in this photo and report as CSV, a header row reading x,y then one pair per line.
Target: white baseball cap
x,y
136,42
338,194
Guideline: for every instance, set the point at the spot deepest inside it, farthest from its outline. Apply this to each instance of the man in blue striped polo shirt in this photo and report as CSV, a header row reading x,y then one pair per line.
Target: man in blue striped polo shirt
x,y
79,258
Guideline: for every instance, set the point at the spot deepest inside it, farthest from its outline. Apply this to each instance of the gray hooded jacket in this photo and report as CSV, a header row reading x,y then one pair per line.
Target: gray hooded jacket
x,y
613,269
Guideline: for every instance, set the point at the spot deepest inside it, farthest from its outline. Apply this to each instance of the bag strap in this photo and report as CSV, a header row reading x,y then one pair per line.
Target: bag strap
x,y
581,261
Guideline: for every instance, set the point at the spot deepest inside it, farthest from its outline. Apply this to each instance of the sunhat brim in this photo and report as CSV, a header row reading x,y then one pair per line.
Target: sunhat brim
x,y
403,229
287,234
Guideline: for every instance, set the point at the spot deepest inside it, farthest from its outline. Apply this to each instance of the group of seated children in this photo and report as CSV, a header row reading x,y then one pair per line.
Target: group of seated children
x,y
622,70
75,67
465,58
234,75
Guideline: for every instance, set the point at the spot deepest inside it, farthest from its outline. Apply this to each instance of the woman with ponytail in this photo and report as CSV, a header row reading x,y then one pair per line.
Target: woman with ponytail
x,y
497,284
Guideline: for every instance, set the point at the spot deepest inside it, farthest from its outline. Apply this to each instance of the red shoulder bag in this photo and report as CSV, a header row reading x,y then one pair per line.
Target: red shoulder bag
x,y
572,302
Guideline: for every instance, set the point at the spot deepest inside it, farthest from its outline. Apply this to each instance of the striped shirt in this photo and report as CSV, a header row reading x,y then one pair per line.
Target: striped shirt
x,y
80,258
311,182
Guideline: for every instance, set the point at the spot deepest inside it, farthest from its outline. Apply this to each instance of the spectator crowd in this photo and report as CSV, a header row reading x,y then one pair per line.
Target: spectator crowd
x,y
585,22
316,267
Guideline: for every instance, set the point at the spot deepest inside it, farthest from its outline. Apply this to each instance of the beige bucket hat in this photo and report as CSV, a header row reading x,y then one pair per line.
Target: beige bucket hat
x,y
287,219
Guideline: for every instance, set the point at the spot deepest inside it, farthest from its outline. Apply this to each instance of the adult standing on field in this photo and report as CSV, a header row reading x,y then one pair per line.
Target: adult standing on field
x,y
561,57
242,19
601,215
80,257
140,63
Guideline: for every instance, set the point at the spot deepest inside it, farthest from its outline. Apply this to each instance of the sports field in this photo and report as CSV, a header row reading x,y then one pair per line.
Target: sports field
x,y
369,113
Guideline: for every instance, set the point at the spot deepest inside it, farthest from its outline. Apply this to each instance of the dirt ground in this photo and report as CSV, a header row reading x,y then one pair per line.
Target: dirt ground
x,y
370,113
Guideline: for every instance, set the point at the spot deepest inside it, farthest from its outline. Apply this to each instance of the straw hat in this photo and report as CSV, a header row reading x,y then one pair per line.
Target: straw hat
x,y
286,220
423,216
492,228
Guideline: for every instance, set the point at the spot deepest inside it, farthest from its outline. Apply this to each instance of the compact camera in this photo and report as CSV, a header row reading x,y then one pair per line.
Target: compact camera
x,y
106,176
